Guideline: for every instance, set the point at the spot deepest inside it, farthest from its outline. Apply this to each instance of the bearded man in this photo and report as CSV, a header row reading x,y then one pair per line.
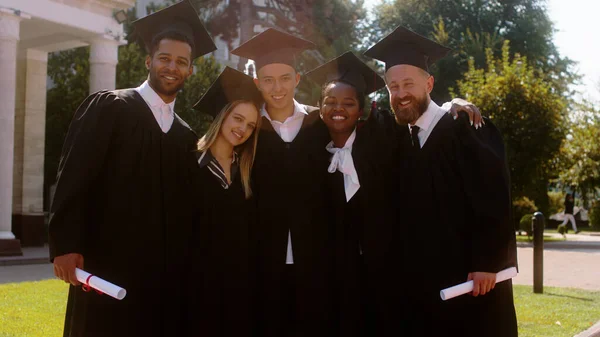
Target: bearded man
x,y
452,189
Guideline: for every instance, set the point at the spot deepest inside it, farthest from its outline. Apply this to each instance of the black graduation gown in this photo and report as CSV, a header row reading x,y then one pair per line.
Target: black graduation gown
x,y
454,193
363,237
123,201
350,306
220,281
291,194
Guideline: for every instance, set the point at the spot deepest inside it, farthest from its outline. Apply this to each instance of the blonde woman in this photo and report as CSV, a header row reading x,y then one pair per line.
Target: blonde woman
x,y
221,287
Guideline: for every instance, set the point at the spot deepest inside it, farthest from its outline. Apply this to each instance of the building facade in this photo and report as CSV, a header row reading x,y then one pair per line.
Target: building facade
x,y
29,30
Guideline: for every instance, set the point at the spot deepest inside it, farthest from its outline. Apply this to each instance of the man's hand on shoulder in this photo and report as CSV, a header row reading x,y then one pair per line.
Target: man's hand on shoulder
x,y
483,283
64,267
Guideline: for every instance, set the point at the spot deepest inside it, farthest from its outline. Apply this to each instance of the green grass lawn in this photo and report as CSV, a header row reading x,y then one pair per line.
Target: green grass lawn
x,y
547,238
556,313
33,309
36,309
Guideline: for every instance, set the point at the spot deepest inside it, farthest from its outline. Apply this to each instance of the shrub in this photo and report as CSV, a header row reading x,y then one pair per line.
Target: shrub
x,y
595,215
525,224
557,202
521,207
562,229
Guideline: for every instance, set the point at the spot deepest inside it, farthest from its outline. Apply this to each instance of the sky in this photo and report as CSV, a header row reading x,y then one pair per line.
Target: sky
x,y
577,37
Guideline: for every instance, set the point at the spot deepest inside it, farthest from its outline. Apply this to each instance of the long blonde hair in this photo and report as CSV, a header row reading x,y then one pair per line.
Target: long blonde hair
x,y
246,151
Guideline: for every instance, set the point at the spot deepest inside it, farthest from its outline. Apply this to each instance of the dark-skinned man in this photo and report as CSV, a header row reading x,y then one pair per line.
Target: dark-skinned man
x,y
121,208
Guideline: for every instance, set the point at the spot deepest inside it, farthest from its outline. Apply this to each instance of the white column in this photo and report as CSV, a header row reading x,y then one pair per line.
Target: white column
x,y
104,53
19,132
34,133
28,167
9,37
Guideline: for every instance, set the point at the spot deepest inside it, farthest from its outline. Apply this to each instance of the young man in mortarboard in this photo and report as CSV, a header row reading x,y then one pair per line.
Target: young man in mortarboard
x,y
295,251
452,187
122,205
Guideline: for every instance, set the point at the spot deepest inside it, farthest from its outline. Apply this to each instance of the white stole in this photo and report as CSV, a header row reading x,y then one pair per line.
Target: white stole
x,y
342,161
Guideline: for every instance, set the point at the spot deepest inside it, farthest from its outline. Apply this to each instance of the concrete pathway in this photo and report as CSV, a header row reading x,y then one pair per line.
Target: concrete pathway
x,y
28,272
31,255
589,241
34,265
562,268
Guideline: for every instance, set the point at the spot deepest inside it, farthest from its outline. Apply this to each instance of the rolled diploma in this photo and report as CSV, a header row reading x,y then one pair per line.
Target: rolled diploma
x,y
100,284
467,287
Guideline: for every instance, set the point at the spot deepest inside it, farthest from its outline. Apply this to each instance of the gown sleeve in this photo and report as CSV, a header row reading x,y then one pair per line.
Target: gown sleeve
x,y
486,180
82,158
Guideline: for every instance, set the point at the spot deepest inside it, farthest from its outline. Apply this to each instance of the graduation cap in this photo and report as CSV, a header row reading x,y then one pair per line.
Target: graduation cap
x,y
181,18
230,86
273,46
403,46
348,68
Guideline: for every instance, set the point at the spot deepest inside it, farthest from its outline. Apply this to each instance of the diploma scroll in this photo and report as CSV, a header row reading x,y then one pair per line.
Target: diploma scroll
x,y
467,287
99,284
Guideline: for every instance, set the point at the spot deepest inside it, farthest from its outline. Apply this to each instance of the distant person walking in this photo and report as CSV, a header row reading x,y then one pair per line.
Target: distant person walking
x,y
569,204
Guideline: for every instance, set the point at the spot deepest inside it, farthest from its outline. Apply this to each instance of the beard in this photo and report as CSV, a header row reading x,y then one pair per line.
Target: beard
x,y
409,115
157,84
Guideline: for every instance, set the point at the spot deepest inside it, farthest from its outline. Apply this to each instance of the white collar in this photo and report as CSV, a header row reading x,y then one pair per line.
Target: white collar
x,y
152,98
299,111
424,122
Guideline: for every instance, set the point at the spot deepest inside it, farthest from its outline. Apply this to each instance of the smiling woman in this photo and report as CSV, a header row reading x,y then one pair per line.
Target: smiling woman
x,y
345,81
341,107
233,131
220,259
357,197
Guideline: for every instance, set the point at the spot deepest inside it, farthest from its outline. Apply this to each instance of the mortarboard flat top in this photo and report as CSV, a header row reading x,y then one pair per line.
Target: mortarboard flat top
x,y
273,46
230,86
403,46
350,69
181,18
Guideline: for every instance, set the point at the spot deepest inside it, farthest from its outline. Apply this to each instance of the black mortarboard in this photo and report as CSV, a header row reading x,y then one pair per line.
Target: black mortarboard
x,y
230,86
350,69
403,46
181,18
273,46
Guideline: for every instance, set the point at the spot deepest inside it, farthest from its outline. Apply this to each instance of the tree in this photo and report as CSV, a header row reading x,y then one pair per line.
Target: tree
x,y
206,71
69,71
131,70
580,155
334,26
528,112
470,27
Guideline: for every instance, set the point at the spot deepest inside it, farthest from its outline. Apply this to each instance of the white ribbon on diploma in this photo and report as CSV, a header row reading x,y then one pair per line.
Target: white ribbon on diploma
x,y
99,284
467,287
